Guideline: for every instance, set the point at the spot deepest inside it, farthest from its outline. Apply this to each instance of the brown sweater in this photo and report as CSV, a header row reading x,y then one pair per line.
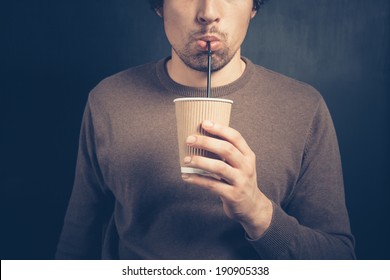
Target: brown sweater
x,y
128,174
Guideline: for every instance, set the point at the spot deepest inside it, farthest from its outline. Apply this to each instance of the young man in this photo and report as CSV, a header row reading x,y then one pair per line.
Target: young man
x,y
280,195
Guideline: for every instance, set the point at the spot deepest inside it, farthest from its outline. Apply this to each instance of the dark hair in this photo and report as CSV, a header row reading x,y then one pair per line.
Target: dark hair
x,y
158,4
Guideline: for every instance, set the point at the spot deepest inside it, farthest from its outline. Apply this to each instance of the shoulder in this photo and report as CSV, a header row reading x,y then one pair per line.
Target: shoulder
x,y
282,94
296,101
138,76
124,85
284,103
289,89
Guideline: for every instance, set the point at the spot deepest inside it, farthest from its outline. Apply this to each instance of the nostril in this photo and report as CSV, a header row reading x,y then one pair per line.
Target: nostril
x,y
206,20
208,14
202,20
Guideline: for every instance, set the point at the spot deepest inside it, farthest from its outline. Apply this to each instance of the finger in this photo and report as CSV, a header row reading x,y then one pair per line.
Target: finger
x,y
222,148
213,166
218,187
229,134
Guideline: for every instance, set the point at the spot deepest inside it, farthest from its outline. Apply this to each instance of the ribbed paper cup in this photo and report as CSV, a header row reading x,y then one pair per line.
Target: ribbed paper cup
x,y
190,113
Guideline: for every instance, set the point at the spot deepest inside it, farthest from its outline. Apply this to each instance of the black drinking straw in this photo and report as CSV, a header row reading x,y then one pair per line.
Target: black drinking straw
x,y
208,69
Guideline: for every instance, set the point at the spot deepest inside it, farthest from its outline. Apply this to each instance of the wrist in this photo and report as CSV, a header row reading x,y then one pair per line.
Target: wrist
x,y
260,219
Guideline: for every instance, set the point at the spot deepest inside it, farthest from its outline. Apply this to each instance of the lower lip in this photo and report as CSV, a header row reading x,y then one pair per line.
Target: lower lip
x,y
214,45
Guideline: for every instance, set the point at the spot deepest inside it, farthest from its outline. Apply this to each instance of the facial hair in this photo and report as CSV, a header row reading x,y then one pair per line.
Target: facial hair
x,y
197,60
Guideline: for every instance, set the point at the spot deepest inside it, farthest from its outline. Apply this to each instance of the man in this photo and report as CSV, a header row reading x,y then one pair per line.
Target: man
x,y
280,195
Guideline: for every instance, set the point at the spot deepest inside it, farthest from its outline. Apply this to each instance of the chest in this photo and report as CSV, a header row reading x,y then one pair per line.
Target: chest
x,y
141,149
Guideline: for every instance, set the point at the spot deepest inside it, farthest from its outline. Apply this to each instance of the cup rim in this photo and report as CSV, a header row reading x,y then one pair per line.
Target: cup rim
x,y
203,99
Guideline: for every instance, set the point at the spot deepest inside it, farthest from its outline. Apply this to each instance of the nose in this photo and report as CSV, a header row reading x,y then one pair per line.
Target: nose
x,y
208,12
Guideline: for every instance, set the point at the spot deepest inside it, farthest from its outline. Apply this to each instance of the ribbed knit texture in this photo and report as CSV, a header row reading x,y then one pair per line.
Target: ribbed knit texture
x,y
128,174
215,92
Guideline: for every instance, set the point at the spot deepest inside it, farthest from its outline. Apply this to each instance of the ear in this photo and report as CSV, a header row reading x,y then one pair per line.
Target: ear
x,y
253,13
159,12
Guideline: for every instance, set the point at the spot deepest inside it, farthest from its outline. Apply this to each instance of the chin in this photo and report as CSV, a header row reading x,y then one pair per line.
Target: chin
x,y
199,62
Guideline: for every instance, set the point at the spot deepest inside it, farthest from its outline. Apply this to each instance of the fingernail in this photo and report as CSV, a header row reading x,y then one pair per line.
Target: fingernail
x,y
187,160
191,139
208,123
185,176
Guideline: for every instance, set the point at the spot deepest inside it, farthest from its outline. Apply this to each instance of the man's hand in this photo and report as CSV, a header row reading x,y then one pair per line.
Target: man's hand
x,y
242,199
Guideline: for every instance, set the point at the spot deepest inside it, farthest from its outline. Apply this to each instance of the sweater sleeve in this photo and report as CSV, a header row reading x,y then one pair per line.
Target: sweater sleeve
x,y
314,224
81,236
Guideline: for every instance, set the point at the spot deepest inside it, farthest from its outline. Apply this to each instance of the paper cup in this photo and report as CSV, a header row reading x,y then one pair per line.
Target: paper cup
x,y
190,113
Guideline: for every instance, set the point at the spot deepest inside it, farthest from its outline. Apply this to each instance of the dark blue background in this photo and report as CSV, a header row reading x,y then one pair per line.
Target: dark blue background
x,y
54,52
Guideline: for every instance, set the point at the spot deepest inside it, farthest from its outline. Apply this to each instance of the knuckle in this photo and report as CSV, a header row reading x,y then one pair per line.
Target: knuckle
x,y
251,172
250,169
229,150
252,155
212,184
251,162
236,136
221,168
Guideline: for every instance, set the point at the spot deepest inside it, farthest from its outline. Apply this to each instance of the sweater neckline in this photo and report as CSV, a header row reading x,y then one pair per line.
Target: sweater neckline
x,y
187,91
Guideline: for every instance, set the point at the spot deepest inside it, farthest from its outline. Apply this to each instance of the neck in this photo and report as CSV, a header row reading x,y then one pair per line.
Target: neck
x,y
184,75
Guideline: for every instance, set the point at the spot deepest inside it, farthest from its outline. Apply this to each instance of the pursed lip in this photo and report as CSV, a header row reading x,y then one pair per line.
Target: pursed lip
x,y
215,42
207,38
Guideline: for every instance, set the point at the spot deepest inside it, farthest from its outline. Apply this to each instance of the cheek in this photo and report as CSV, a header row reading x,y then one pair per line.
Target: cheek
x,y
170,30
174,26
178,34
242,28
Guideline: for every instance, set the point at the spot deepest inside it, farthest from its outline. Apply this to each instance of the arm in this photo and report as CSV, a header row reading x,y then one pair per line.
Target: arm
x,y
81,235
313,225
